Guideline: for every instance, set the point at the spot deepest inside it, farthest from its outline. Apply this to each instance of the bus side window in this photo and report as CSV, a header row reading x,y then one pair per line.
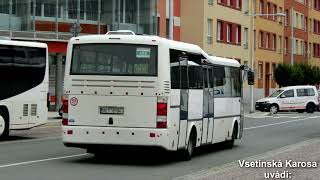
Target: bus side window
x,y
219,80
195,77
236,82
174,69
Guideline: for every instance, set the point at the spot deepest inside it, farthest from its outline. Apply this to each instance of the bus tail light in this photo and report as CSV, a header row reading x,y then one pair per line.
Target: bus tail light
x,y
65,110
162,111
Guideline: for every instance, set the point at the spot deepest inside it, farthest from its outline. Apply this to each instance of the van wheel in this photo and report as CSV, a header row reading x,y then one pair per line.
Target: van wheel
x,y
310,108
188,152
4,127
274,109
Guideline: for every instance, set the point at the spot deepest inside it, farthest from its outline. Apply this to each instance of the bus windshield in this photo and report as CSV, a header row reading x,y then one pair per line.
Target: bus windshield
x,y
114,60
276,93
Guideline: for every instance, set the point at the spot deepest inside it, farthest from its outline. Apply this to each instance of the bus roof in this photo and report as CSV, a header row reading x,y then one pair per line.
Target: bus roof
x,y
224,61
23,43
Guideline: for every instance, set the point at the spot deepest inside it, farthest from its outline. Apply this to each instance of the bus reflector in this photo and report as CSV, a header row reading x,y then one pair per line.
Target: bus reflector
x,y
161,125
65,122
70,132
65,109
65,106
152,135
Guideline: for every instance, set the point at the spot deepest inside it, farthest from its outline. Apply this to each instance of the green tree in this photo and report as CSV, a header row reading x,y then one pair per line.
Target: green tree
x,y
282,74
298,74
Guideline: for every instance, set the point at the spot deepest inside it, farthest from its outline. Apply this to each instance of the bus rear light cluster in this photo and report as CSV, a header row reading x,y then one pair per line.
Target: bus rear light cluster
x,y
65,110
162,111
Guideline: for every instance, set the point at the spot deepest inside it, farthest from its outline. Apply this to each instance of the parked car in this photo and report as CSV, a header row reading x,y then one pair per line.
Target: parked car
x,y
298,98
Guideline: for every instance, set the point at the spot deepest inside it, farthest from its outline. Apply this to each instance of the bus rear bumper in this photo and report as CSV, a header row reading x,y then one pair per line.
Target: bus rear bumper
x,y
86,137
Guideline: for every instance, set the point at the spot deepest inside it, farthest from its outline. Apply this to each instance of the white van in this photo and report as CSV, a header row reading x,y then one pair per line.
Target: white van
x,y
299,98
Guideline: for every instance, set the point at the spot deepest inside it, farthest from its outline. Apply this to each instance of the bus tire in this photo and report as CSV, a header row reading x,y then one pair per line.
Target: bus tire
x,y
230,143
189,150
4,125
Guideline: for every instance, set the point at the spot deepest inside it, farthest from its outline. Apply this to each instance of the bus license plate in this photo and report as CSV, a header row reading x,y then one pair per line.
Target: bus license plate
x,y
111,110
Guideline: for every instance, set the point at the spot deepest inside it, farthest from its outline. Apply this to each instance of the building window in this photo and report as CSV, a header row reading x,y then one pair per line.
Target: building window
x,y
209,31
296,47
238,33
260,39
246,36
274,41
260,71
316,5
287,17
268,9
236,4
274,11
261,6
4,6
229,32
286,45
280,43
273,70
267,40
219,31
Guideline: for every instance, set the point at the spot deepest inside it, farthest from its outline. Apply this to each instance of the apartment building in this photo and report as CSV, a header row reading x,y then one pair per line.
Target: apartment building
x,y
269,48
313,48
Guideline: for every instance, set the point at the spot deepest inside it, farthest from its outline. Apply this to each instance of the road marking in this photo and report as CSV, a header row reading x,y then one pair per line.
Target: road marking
x,y
42,160
285,122
30,140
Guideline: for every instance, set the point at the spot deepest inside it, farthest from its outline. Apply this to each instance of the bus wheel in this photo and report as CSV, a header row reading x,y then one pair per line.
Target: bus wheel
x,y
4,127
188,152
230,143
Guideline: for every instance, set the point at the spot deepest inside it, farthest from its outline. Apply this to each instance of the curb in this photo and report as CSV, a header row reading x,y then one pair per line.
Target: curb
x,y
203,174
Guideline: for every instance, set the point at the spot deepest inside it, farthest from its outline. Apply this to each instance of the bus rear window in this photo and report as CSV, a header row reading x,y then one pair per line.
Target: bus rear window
x,y
114,59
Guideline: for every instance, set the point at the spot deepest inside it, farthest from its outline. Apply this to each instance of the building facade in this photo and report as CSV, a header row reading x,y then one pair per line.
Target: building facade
x,y
313,49
269,33
220,27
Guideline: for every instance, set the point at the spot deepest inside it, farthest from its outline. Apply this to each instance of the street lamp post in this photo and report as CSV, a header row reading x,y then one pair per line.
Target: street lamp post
x,y
253,15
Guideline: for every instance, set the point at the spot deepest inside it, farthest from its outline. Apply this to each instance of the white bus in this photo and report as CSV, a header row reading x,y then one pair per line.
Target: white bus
x,y
24,85
132,90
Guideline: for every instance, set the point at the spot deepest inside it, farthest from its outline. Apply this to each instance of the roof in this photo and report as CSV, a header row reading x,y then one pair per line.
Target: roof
x,y
224,61
23,43
300,86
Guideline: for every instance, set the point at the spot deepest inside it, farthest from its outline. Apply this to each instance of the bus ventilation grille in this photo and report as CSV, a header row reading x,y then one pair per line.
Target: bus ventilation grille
x,y
33,109
25,110
166,86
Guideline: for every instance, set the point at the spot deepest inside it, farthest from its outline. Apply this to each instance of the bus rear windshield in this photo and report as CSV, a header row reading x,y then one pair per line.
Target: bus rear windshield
x,y
114,60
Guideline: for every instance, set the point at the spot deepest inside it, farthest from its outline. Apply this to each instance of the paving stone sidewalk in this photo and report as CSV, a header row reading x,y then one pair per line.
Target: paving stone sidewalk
x,y
306,152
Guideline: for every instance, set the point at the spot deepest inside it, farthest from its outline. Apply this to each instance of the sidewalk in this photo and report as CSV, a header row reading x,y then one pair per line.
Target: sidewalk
x,y
301,154
256,114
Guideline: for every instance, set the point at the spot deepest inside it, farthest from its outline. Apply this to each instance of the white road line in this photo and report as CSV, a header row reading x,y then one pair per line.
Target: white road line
x,y
30,140
41,160
285,122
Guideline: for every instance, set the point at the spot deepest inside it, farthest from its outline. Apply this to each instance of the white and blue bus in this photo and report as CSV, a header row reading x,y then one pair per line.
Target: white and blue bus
x,y
133,90
24,85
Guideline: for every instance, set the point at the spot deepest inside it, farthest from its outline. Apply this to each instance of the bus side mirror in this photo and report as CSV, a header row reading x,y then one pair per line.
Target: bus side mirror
x,y
250,78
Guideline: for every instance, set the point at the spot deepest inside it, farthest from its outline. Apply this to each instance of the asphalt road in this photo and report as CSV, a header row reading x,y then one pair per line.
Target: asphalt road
x,y
40,155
